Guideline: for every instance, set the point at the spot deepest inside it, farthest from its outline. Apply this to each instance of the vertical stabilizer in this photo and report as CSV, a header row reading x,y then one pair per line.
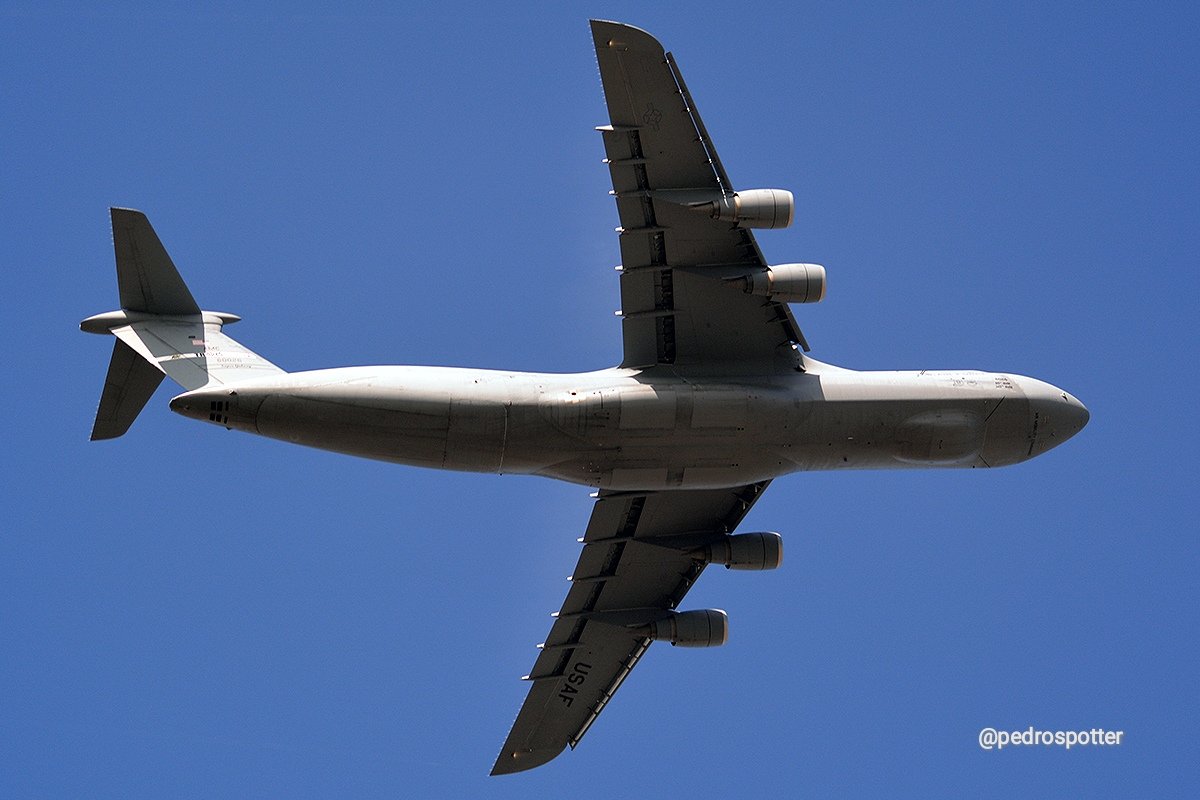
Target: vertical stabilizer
x,y
146,276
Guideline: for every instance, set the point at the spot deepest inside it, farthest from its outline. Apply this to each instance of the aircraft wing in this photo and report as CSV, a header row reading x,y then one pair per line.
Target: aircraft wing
x,y
638,562
675,304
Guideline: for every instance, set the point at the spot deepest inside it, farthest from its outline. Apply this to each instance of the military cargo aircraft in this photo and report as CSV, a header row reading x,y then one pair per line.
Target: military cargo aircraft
x,y
715,397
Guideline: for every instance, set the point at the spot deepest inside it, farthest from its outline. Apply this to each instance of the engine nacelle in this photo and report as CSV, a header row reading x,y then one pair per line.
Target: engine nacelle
x,y
705,628
756,208
788,283
752,208
762,550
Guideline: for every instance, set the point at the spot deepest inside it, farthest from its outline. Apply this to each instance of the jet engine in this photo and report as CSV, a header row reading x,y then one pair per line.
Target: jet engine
x,y
788,283
762,550
750,208
756,208
708,627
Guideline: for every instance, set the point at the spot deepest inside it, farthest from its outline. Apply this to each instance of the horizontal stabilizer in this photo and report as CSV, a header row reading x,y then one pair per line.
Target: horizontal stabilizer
x,y
129,384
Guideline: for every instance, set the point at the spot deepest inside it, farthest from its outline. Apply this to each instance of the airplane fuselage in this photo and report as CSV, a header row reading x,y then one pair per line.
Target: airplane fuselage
x,y
652,429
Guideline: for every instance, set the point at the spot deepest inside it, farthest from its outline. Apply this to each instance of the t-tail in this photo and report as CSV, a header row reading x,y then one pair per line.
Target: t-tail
x,y
160,331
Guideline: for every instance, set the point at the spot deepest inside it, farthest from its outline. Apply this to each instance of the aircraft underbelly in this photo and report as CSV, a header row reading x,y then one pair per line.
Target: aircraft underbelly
x,y
412,432
476,436
635,435
778,439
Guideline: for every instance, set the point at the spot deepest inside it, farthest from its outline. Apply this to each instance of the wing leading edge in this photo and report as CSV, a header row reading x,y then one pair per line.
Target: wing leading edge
x,y
641,554
676,307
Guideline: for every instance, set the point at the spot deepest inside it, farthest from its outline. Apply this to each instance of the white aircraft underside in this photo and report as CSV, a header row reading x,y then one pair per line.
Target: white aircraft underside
x,y
714,398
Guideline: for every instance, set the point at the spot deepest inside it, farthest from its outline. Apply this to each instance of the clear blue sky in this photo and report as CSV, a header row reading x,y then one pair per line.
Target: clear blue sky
x,y
187,612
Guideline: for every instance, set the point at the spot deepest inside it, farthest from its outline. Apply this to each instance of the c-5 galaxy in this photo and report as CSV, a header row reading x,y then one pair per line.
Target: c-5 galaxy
x,y
714,398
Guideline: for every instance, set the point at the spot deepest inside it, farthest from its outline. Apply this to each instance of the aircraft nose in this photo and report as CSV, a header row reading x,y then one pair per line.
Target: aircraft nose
x,y
1055,415
1079,415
